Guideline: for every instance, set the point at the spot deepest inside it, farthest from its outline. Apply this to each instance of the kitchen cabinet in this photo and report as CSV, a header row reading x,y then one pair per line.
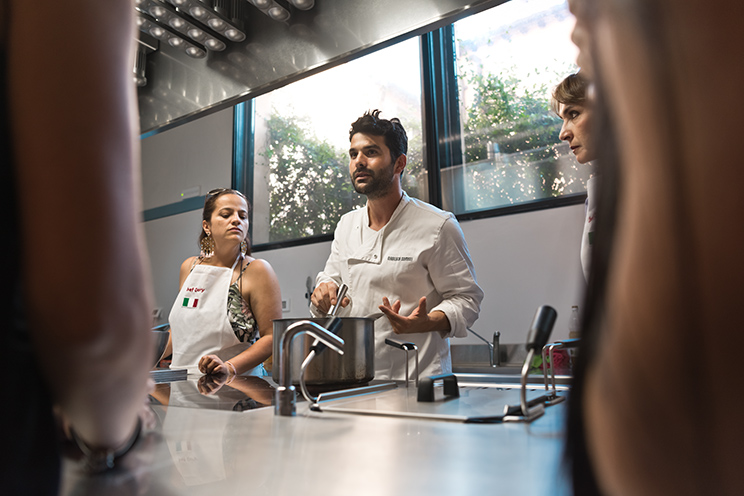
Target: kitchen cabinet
x,y
232,443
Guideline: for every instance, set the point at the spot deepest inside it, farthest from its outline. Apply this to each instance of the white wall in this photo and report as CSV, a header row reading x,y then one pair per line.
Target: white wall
x,y
170,240
522,260
194,155
197,154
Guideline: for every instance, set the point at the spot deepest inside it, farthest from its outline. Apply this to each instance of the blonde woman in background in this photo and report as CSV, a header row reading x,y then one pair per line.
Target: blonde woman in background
x,y
571,102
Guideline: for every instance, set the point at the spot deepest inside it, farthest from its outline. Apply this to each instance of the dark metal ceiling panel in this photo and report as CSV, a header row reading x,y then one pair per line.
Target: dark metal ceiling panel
x,y
180,88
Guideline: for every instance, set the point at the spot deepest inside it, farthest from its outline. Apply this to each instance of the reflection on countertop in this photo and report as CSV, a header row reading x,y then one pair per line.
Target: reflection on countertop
x,y
242,393
224,439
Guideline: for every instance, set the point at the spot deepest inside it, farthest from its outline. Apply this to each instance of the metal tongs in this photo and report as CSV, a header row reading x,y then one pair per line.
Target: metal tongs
x,y
340,294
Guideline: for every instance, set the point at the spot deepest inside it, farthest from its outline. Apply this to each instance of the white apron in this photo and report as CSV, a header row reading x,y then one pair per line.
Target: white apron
x,y
198,320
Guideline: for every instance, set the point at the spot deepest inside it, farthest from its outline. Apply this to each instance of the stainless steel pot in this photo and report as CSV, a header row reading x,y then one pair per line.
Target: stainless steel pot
x,y
160,337
355,366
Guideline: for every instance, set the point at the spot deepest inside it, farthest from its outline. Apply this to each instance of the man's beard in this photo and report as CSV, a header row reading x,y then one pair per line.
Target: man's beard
x,y
378,186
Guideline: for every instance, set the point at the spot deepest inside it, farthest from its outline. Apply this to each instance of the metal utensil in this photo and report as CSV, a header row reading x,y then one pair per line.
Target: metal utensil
x,y
340,294
537,337
332,325
405,346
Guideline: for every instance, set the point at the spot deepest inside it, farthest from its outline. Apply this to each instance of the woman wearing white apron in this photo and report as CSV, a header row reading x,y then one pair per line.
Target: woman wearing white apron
x,y
221,320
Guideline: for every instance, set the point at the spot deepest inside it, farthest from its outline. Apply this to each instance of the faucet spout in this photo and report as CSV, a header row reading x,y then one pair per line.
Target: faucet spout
x,y
494,349
285,393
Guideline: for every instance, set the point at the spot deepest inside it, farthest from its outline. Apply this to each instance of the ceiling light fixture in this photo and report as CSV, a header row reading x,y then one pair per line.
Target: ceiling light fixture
x,y
273,9
167,15
223,16
234,10
149,25
303,4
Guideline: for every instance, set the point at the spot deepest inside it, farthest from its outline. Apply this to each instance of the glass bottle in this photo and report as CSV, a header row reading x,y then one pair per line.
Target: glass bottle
x,y
574,326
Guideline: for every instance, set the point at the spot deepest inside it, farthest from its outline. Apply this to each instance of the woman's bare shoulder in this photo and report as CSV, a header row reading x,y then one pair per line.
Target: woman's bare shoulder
x,y
259,264
260,270
189,262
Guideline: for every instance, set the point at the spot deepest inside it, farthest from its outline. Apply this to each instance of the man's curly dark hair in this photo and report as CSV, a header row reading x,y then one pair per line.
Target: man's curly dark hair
x,y
392,130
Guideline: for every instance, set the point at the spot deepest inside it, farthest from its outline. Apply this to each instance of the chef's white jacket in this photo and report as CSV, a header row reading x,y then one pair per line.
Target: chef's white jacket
x,y
421,251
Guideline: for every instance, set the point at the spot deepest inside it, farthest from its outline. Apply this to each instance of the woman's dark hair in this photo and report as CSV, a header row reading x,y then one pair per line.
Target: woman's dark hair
x,y
210,201
392,130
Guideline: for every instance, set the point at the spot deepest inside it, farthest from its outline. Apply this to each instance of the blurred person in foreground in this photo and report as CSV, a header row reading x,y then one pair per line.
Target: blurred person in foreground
x,y
572,103
76,296
654,408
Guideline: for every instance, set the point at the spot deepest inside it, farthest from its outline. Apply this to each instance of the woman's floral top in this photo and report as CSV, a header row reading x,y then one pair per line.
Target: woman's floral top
x,y
239,314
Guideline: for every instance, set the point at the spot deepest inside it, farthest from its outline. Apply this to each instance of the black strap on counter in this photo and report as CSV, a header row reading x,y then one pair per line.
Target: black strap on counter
x,y
426,387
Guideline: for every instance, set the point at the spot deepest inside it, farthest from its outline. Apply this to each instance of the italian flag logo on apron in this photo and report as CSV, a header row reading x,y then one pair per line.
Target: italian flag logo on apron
x,y
190,302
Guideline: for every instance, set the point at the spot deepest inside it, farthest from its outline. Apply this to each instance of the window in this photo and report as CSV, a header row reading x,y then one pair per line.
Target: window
x,y
508,60
301,142
478,90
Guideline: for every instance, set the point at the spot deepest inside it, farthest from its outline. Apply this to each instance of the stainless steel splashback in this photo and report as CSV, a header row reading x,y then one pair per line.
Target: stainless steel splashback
x,y
180,88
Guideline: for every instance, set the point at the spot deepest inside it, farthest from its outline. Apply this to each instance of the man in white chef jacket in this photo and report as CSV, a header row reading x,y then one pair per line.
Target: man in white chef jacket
x,y
406,262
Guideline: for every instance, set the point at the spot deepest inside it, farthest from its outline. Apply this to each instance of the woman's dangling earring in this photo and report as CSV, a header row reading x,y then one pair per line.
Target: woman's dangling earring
x,y
207,246
244,247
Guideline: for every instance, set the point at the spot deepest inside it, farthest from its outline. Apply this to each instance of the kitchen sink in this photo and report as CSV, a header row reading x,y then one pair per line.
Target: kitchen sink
x,y
476,359
507,355
471,364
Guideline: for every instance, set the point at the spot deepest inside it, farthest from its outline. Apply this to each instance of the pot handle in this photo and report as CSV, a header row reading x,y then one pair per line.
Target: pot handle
x,y
426,387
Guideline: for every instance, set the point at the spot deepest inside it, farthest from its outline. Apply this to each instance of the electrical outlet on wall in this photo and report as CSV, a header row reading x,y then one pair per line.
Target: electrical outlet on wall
x,y
286,305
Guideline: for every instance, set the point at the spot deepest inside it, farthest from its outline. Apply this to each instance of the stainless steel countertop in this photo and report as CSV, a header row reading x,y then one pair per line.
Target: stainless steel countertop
x,y
205,448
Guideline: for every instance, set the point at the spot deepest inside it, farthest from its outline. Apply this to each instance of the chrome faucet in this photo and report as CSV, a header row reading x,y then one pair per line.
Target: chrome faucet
x,y
285,396
494,347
